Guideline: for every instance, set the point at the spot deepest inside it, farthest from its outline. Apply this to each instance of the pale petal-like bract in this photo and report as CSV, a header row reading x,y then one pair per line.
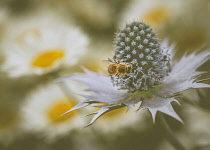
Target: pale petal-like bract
x,y
153,82
181,78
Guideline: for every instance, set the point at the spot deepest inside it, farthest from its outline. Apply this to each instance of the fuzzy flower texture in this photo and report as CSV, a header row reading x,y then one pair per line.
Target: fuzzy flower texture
x,y
143,74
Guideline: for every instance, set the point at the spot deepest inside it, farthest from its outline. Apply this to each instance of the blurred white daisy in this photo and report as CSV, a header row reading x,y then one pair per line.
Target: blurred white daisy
x,y
144,75
42,113
152,12
40,44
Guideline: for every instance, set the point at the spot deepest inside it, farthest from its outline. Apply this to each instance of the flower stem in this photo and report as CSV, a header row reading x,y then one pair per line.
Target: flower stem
x,y
170,135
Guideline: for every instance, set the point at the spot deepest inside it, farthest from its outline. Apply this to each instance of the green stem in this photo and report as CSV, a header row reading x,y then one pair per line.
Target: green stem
x,y
170,135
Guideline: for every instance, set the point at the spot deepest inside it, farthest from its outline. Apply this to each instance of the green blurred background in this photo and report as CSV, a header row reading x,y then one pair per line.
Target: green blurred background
x,y
27,119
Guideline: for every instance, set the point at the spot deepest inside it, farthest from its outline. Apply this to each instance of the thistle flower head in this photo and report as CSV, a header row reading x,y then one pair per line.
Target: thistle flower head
x,y
137,45
151,81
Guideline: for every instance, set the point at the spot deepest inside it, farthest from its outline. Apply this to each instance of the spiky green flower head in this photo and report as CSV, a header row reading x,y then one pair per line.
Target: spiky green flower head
x,y
137,45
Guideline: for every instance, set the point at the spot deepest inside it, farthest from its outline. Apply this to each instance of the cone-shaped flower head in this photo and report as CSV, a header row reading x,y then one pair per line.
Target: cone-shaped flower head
x,y
137,45
142,73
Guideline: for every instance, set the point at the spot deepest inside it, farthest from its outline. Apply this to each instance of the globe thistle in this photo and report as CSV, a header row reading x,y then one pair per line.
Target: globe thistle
x,y
152,81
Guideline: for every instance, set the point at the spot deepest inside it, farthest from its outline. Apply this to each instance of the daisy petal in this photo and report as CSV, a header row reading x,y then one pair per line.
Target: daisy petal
x,y
41,44
46,106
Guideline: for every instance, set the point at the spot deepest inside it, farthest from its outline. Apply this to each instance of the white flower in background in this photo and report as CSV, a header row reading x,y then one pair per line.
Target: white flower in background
x,y
148,79
41,44
153,12
42,113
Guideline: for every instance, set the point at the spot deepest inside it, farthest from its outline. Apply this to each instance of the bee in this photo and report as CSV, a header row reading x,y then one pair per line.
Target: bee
x,y
117,68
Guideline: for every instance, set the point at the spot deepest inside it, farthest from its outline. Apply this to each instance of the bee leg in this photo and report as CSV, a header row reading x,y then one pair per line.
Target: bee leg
x,y
117,75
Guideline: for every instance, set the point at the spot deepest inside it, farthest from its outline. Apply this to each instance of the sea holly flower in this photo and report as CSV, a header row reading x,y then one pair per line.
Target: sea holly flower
x,y
150,78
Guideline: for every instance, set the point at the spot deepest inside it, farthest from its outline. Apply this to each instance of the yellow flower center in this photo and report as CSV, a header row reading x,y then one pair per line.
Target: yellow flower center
x,y
157,15
7,118
57,109
48,58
